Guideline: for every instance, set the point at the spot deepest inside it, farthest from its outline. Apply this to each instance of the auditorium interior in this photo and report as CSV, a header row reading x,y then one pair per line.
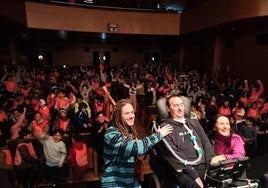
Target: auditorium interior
x,y
220,38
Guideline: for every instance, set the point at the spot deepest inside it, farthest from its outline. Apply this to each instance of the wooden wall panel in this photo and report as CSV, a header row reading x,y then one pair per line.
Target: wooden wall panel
x,y
215,12
48,16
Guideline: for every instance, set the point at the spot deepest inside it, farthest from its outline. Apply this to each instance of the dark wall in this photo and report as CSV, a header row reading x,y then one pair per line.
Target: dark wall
x,y
241,54
248,56
199,51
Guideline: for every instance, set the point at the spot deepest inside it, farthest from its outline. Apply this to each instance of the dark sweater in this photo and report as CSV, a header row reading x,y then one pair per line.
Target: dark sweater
x,y
180,142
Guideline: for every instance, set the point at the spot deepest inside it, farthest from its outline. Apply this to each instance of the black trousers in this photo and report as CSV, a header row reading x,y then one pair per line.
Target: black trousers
x,y
186,181
27,177
56,174
4,180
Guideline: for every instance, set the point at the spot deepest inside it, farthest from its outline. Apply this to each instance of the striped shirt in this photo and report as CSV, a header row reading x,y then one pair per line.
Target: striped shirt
x,y
119,157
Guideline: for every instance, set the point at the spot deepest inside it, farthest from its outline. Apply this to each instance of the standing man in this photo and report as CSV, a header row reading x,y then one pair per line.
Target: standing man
x,y
192,150
122,147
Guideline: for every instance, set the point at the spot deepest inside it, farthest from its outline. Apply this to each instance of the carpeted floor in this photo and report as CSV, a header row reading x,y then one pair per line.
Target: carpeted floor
x,y
258,166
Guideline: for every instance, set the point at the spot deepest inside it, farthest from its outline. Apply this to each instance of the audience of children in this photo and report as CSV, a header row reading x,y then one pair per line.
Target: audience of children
x,y
65,97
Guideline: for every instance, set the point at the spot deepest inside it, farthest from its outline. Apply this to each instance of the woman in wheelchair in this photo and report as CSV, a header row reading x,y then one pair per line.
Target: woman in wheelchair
x,y
230,151
227,145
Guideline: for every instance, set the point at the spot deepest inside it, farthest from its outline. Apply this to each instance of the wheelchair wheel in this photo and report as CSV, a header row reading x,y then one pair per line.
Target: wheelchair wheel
x,y
154,181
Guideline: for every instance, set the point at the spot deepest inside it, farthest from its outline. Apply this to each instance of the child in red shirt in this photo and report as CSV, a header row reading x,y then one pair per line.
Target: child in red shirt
x,y
78,157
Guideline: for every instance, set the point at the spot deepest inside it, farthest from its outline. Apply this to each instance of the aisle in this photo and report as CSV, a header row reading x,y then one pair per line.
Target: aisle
x,y
89,180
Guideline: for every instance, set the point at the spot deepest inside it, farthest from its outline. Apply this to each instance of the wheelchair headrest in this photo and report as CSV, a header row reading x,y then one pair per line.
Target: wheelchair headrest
x,y
162,107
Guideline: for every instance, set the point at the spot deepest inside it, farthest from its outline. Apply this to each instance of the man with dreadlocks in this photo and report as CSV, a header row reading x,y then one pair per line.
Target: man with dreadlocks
x,y
122,146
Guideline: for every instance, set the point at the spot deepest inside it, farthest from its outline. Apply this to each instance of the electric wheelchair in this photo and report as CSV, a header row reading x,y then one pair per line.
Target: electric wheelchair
x,y
224,174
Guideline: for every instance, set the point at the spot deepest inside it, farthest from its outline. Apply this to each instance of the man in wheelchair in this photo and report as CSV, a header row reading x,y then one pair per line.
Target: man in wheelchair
x,y
184,155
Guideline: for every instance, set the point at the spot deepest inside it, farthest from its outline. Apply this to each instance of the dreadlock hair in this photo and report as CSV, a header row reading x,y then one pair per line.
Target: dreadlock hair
x,y
118,122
